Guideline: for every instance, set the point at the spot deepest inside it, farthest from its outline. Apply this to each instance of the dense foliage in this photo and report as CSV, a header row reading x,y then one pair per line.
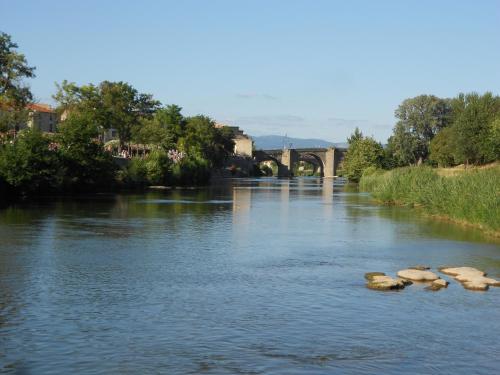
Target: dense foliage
x,y
14,93
446,132
363,152
175,149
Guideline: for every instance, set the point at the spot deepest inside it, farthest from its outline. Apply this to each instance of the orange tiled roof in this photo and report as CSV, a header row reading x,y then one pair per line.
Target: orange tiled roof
x,y
39,107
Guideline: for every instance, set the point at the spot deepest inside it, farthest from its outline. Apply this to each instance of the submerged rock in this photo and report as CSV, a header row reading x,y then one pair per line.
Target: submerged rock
x,y
470,278
383,282
417,275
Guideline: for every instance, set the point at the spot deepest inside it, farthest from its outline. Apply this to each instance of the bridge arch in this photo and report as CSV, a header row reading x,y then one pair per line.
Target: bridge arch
x,y
314,159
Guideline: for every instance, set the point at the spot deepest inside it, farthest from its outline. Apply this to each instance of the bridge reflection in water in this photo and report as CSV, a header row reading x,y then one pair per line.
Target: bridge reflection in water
x,y
279,192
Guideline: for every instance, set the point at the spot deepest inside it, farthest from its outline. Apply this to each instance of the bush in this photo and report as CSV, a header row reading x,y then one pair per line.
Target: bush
x,y
363,153
136,174
30,164
157,166
191,171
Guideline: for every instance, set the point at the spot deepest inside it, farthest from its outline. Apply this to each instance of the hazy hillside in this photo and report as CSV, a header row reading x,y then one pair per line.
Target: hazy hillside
x,y
269,142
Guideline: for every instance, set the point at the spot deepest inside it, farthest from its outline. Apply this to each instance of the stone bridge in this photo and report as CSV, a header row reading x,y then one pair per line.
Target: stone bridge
x,y
325,159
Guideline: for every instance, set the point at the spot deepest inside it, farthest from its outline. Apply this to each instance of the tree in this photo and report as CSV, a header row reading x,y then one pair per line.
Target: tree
x,y
362,153
475,127
202,139
14,94
442,148
172,118
403,146
112,105
356,136
31,163
83,158
164,129
420,119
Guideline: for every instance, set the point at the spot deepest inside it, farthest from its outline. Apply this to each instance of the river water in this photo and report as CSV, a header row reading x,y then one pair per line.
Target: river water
x,y
259,276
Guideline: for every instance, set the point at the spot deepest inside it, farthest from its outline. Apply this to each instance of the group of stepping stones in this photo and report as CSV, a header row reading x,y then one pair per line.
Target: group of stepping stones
x,y
470,278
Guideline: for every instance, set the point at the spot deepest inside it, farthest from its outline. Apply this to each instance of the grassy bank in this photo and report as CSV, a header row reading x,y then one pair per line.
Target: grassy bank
x,y
470,197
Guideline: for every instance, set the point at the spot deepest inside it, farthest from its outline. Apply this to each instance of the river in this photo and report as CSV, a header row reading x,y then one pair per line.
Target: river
x,y
250,276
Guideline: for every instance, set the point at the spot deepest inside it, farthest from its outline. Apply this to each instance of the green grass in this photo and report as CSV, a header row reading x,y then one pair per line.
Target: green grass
x,y
472,197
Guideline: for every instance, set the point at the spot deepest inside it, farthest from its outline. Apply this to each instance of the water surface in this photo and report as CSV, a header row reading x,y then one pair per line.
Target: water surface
x,y
245,277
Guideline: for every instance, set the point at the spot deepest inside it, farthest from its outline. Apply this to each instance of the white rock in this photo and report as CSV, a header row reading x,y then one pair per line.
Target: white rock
x,y
454,271
417,275
471,278
475,285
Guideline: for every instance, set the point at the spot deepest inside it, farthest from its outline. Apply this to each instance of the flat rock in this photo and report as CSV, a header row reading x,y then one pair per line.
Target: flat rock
x,y
417,275
454,271
471,278
475,285
383,282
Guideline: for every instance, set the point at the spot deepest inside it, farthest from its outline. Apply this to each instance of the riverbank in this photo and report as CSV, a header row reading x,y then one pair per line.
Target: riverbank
x,y
467,196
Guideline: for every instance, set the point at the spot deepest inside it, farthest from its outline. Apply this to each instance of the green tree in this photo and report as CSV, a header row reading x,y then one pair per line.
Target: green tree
x,y
173,120
112,105
442,148
83,158
31,163
14,93
356,136
203,140
164,129
476,127
419,120
363,153
403,147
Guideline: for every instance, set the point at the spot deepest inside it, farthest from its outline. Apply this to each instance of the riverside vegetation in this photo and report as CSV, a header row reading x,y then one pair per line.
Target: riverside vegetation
x,y
431,134
180,150
471,196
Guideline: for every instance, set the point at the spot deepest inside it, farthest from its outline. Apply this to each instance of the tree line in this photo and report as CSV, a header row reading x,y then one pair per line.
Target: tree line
x,y
180,150
435,131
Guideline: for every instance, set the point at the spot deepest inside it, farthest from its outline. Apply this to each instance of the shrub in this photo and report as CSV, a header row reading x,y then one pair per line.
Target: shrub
x,y
157,166
30,165
190,171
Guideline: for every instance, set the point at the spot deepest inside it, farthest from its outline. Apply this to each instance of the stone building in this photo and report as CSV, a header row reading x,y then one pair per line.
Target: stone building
x,y
243,143
42,117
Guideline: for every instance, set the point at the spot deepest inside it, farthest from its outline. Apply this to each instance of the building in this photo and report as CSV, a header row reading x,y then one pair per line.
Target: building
x,y
243,143
42,117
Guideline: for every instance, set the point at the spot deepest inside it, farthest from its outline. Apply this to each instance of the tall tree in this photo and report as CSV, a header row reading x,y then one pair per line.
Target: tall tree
x,y
14,93
475,127
419,120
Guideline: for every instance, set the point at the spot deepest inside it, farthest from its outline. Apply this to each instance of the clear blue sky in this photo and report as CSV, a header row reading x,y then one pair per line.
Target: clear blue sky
x,y
305,68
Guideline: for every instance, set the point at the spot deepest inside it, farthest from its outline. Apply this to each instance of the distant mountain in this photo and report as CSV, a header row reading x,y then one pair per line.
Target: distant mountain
x,y
271,142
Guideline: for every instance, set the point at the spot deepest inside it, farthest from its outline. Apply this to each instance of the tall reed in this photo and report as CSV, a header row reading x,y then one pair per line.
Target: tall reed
x,y
472,197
